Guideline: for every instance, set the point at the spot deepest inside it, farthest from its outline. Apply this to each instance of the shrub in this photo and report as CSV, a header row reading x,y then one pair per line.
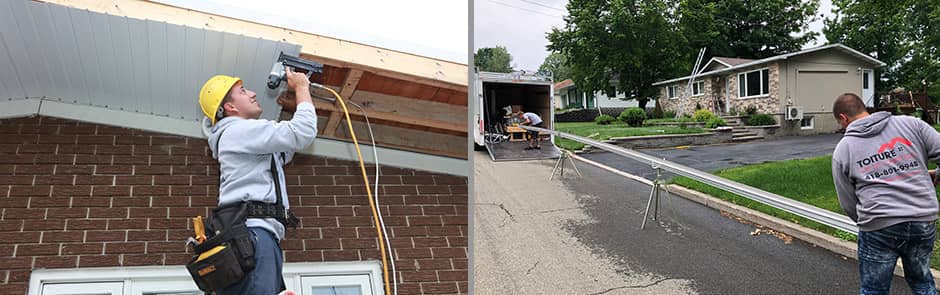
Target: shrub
x,y
715,122
703,115
669,114
633,116
750,110
760,120
604,119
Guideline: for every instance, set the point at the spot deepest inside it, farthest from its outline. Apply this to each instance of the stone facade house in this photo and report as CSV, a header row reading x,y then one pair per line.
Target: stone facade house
x,y
808,80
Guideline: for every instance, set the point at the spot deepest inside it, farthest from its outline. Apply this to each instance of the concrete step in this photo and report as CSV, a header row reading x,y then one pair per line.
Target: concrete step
x,y
746,138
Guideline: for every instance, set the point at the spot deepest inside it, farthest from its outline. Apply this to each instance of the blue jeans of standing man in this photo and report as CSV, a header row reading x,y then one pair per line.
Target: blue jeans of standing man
x,y
878,252
267,277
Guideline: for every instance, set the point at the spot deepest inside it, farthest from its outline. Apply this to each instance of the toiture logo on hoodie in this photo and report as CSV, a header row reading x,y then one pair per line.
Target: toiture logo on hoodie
x,y
895,155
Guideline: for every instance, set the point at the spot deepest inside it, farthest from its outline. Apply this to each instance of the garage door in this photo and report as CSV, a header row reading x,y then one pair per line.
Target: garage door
x,y
819,88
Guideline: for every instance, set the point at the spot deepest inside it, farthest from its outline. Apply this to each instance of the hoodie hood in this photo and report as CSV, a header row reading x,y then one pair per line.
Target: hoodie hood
x,y
216,132
868,126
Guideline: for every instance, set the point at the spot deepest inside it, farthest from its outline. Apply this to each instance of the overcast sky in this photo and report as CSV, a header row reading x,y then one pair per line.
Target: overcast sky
x,y
521,25
429,28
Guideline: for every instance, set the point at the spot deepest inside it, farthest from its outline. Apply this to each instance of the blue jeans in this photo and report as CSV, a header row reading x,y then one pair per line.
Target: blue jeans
x,y
878,252
267,277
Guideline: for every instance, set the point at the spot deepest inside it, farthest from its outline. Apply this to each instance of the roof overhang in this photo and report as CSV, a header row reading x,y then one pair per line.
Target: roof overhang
x,y
837,46
414,103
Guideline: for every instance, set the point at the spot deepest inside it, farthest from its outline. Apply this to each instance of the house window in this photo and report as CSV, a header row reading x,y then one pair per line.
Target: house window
x,y
865,80
754,83
672,91
311,278
698,88
806,123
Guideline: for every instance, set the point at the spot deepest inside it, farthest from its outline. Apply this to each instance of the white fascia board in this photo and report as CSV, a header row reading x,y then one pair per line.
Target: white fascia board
x,y
320,147
19,108
389,157
125,119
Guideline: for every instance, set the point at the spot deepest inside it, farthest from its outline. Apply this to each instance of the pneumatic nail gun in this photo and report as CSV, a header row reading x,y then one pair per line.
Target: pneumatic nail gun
x,y
278,73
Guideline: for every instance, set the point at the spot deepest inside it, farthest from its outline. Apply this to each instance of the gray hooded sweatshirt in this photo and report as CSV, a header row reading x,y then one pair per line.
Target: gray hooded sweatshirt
x,y
880,171
245,152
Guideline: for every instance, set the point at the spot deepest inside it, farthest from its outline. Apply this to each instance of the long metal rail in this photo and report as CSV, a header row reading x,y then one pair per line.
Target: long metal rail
x,y
813,213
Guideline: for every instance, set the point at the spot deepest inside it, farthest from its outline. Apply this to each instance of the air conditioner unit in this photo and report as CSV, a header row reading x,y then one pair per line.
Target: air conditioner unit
x,y
794,113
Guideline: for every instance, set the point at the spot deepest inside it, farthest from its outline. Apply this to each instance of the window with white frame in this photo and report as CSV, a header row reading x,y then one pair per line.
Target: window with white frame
x,y
698,88
672,91
754,83
313,278
806,123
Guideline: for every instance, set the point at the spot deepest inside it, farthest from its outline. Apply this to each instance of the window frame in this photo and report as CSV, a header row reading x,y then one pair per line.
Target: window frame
x,y
812,123
701,89
742,83
136,279
675,91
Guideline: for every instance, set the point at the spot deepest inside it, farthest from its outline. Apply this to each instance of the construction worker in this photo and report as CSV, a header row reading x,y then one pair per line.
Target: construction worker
x,y
880,173
533,120
248,150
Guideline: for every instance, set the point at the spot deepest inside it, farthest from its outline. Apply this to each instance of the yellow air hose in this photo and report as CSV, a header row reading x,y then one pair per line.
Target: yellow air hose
x,y
365,178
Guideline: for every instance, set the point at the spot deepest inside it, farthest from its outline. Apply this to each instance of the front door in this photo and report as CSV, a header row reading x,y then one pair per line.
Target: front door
x,y
868,87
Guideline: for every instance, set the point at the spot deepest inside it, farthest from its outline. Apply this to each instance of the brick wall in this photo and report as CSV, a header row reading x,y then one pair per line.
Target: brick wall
x,y
83,195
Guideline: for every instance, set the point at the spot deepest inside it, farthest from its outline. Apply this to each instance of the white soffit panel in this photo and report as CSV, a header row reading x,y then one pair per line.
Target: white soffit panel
x,y
143,66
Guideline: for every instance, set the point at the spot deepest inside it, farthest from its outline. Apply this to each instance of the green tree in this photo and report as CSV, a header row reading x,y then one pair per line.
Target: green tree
x,y
744,28
493,59
900,33
556,63
631,42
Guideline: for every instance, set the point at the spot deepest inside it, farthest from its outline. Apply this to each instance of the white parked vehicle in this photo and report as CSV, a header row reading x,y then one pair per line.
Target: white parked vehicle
x,y
498,97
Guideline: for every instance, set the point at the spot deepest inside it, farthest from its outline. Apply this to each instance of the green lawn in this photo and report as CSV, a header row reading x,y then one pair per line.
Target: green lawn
x,y
617,129
808,181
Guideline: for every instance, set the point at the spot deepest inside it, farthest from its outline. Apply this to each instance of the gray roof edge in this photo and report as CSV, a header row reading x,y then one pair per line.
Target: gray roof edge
x,y
780,57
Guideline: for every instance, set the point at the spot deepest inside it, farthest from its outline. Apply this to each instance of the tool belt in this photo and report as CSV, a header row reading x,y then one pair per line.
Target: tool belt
x,y
227,254
277,211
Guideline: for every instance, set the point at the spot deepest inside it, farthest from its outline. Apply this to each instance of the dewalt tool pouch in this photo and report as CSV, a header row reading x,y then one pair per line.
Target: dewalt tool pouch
x,y
228,252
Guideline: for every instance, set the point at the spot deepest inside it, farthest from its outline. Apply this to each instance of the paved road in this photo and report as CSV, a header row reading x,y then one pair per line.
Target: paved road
x,y
521,245
715,157
581,236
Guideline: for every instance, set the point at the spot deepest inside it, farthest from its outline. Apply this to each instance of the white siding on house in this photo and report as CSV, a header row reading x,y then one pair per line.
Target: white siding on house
x,y
605,101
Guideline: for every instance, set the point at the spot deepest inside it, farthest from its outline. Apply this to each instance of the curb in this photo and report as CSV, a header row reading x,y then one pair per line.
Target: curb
x,y
816,238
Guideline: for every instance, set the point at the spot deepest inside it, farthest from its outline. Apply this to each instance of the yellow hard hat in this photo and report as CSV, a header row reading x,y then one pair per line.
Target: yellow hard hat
x,y
212,93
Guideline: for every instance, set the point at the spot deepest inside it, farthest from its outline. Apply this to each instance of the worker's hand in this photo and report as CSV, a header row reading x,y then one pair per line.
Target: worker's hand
x,y
288,101
296,81
299,84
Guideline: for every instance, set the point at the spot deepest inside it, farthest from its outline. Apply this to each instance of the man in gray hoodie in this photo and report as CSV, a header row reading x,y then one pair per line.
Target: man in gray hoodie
x,y
247,148
880,173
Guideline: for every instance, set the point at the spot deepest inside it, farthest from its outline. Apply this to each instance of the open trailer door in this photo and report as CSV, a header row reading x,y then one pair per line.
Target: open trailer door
x,y
503,94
